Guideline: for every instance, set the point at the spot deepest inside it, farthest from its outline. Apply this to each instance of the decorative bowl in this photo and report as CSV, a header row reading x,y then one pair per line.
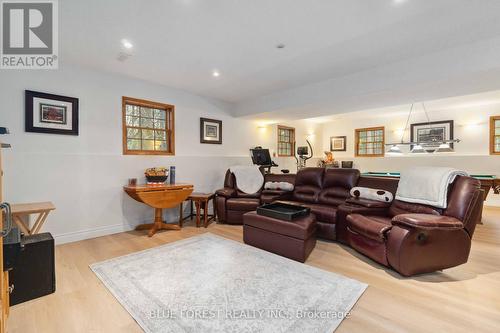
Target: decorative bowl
x,y
156,179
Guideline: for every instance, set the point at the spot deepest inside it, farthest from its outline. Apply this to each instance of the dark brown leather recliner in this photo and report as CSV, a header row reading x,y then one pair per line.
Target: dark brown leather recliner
x,y
231,203
413,238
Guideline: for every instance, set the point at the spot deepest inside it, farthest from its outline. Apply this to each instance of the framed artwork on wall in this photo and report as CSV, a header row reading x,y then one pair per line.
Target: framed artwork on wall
x,y
431,134
210,131
338,143
52,114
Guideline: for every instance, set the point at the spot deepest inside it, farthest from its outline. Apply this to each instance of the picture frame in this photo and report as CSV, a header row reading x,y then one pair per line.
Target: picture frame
x,y
427,133
51,114
338,143
210,131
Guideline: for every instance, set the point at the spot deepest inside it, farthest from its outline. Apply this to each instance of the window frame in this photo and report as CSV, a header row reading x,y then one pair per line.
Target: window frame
x,y
169,125
292,152
356,137
492,135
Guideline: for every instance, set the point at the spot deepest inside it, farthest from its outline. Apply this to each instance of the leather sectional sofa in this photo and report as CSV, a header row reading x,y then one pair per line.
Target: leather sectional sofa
x,y
409,238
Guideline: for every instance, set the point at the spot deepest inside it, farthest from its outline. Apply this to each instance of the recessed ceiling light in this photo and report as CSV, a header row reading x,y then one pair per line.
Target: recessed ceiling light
x,y
280,46
127,44
215,74
399,2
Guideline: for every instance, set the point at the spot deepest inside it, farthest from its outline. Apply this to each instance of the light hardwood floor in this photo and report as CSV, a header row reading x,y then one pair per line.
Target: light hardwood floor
x,y
462,299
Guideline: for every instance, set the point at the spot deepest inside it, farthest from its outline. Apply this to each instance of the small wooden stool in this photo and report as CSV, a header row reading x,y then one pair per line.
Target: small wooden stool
x,y
20,211
201,201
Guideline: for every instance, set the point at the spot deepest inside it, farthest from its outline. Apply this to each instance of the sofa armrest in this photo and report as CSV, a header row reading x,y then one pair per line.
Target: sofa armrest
x,y
226,192
427,221
368,203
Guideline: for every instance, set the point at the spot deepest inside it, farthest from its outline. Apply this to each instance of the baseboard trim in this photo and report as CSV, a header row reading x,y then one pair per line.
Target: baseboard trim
x,y
90,233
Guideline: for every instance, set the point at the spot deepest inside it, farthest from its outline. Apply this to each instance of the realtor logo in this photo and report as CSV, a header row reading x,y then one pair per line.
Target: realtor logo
x,y
29,34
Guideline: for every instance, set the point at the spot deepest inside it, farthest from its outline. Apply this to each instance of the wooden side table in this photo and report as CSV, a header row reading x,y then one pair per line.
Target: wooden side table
x,y
20,211
201,201
159,197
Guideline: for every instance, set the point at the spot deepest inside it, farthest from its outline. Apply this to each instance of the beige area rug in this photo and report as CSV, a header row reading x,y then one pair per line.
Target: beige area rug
x,y
211,284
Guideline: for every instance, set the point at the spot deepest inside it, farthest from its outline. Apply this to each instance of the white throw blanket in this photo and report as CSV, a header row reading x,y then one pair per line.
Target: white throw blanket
x,y
427,185
249,179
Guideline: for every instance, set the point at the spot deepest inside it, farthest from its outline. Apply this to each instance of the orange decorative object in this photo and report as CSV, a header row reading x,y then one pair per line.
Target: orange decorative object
x,y
159,197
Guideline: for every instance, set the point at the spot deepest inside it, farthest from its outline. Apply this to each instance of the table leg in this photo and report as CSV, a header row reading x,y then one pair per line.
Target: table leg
x,y
198,212
39,223
158,224
205,213
20,223
180,215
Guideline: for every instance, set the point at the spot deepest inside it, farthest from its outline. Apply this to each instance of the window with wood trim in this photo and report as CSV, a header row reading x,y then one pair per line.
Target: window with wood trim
x,y
495,135
370,142
148,127
286,141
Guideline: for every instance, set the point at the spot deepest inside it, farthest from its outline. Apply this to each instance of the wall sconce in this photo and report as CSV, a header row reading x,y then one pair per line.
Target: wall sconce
x,y
310,136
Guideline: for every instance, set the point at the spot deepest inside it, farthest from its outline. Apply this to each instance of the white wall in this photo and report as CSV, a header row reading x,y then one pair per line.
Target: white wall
x,y
471,126
83,175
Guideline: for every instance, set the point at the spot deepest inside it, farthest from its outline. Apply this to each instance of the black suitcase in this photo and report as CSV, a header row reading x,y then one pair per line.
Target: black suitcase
x,y
33,275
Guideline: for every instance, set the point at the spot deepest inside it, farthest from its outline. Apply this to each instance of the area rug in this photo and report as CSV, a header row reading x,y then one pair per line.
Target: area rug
x,y
211,284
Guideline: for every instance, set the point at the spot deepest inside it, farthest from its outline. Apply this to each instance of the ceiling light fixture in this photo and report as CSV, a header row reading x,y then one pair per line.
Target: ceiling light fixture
x,y
127,44
444,148
395,150
215,73
421,147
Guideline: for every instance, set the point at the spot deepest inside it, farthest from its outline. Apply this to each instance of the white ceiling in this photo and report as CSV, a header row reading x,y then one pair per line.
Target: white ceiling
x,y
332,47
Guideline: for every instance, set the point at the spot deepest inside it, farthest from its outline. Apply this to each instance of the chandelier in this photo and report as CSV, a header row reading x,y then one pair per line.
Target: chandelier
x,y
420,147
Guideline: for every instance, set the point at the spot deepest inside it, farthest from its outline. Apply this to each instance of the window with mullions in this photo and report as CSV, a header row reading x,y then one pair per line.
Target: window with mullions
x,y
495,135
286,141
370,142
148,127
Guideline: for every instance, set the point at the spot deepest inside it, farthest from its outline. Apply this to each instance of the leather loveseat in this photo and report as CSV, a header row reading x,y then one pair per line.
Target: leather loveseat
x,y
409,238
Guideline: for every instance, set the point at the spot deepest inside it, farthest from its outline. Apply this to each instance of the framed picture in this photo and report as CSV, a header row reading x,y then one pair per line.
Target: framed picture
x,y
48,113
337,143
210,131
430,134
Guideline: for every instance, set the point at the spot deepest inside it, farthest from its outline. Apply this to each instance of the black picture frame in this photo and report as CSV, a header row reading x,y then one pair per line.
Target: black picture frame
x,y
419,126
206,131
30,113
343,138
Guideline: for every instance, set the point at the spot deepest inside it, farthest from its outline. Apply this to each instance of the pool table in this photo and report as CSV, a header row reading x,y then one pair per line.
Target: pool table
x,y
487,181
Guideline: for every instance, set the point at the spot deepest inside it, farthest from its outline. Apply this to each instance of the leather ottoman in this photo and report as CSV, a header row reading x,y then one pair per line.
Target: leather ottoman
x,y
292,239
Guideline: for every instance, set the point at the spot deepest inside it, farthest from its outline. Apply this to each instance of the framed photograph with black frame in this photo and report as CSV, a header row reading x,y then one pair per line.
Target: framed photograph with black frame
x,y
52,114
338,143
210,131
431,134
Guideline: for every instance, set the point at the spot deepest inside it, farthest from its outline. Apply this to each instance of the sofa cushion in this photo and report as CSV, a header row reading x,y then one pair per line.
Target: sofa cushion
x,y
242,204
400,207
306,193
372,227
310,176
308,184
302,228
336,185
324,213
344,178
333,196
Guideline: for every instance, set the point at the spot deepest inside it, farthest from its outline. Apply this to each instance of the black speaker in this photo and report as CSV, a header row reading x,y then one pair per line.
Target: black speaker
x,y
34,273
